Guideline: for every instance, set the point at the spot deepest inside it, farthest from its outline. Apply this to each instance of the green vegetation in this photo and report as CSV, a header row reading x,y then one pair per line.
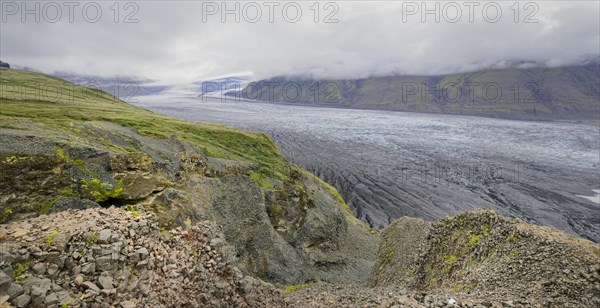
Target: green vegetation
x,y
101,191
91,238
49,239
291,288
20,268
464,286
473,239
449,261
61,105
133,210
261,179
389,255
63,156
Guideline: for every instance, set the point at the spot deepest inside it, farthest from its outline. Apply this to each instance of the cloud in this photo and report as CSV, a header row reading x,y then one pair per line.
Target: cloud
x,y
172,44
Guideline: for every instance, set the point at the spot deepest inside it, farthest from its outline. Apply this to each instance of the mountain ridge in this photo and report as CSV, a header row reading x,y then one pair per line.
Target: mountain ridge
x,y
569,92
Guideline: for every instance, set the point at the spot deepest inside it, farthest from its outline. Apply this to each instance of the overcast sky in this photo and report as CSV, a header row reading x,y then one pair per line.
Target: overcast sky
x,y
182,42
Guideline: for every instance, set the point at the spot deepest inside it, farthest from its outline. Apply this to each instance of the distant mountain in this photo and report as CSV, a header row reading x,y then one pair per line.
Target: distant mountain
x,y
569,92
4,64
126,88
217,87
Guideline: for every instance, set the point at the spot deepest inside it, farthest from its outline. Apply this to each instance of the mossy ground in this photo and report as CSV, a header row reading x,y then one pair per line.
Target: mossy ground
x,y
286,289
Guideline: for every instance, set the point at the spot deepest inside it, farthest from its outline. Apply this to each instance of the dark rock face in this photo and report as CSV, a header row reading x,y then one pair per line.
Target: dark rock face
x,y
65,204
4,64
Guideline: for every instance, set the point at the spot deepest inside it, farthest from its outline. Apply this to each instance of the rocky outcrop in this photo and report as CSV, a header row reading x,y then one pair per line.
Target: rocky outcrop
x,y
291,233
484,256
4,64
113,258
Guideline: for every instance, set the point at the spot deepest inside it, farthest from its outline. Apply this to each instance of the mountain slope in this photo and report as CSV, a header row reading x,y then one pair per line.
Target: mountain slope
x,y
83,148
571,92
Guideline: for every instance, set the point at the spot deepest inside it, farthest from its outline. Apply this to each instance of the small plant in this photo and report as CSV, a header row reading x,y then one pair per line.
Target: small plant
x,y
92,238
133,210
49,239
389,255
20,268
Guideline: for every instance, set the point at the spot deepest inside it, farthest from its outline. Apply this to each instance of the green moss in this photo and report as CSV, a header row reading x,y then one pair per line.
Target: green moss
x,y
45,206
513,238
20,268
49,239
261,179
464,286
288,288
65,157
473,239
101,191
449,261
486,230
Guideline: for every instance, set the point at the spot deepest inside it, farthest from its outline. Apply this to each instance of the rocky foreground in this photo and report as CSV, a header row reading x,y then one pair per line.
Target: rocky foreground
x,y
111,257
117,258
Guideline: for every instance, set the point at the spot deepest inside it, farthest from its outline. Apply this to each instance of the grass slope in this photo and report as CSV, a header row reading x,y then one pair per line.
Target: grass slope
x,y
58,104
